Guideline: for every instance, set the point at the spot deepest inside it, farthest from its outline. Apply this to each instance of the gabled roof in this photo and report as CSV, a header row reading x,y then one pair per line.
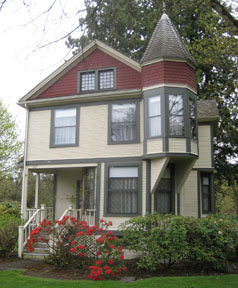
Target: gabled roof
x,y
166,43
72,62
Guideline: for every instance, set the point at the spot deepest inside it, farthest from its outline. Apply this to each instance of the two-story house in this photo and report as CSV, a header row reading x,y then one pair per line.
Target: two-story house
x,y
123,138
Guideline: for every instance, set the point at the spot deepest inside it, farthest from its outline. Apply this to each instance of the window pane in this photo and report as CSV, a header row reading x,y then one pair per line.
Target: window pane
x,y
175,105
155,126
125,113
65,135
106,79
87,81
164,195
176,124
123,196
205,180
123,126
154,106
66,117
176,118
123,172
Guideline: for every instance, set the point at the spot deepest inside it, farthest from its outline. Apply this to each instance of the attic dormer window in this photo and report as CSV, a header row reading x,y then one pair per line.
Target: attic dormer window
x,y
87,81
97,80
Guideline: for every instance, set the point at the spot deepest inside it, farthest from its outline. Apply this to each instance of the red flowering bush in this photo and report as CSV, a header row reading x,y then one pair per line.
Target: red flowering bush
x,y
109,255
68,238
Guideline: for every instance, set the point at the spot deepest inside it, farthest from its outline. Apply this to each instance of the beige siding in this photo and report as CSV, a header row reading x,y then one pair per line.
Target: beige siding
x,y
190,197
204,161
194,147
157,169
93,137
154,146
177,145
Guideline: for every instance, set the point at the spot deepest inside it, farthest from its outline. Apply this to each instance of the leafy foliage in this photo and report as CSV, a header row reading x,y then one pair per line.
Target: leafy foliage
x,y
165,239
10,208
8,234
128,25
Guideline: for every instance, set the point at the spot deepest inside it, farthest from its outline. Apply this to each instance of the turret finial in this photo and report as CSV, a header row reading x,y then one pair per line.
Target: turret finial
x,y
164,7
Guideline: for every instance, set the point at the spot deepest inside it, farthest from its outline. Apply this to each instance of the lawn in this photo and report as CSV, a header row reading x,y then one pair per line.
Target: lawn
x,y
16,279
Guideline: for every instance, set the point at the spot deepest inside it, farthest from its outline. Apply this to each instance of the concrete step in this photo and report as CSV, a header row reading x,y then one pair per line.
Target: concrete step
x,y
35,256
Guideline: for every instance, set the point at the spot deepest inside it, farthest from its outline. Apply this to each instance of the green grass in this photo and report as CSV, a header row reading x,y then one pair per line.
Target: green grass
x,y
16,279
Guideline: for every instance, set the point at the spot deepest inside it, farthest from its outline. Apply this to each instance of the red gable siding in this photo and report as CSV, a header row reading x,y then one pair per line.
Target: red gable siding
x,y
127,78
168,72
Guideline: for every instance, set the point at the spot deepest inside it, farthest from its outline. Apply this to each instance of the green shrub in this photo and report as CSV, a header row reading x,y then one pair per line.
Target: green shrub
x,y
11,208
212,241
161,239
8,234
209,242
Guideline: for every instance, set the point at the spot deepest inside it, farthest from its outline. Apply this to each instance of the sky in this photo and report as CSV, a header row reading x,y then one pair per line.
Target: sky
x,y
23,64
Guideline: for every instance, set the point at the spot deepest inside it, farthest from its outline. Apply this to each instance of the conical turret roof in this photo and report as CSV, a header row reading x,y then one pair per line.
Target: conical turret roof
x,y
166,43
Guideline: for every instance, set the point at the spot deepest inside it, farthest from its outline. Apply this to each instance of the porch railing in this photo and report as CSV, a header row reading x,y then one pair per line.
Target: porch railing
x,y
81,214
34,218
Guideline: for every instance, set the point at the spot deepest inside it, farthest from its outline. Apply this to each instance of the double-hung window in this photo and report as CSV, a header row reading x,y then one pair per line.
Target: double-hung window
x,y
154,114
64,127
123,190
123,123
176,115
206,193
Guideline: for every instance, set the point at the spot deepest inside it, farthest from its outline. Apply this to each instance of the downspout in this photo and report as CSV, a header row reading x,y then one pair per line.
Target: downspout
x,y
23,198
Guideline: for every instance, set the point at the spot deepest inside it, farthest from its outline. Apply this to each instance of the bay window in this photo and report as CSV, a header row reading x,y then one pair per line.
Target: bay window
x,y
154,114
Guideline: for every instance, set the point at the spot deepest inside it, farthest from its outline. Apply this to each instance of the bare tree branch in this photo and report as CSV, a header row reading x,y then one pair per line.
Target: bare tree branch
x,y
2,3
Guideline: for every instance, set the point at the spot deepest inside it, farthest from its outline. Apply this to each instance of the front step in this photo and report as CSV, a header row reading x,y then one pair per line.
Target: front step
x,y
35,256
41,250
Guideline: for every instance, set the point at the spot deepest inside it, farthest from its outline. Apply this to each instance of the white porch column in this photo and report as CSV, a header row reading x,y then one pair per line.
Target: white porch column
x,y
24,193
37,190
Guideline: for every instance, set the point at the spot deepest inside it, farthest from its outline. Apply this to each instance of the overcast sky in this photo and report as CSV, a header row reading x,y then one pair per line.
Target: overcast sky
x,y
22,64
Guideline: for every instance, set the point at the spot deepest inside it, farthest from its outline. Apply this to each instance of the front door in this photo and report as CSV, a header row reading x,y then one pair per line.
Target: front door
x,y
85,194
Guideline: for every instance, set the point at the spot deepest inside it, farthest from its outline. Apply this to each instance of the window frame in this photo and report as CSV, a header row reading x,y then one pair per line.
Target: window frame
x,y
97,79
137,122
139,188
209,194
52,127
183,115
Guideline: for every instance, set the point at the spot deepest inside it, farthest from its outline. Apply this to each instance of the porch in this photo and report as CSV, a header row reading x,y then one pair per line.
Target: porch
x,y
73,193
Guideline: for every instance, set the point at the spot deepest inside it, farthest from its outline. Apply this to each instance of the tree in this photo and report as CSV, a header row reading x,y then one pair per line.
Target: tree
x,y
10,147
128,25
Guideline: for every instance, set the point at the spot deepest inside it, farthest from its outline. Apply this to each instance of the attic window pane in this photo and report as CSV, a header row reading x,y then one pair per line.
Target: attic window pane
x,y
87,81
106,79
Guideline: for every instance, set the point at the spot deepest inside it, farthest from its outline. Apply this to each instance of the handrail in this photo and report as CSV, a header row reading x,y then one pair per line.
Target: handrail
x,y
32,217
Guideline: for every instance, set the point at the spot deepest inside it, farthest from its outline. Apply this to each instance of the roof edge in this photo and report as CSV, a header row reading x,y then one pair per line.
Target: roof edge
x,y
74,60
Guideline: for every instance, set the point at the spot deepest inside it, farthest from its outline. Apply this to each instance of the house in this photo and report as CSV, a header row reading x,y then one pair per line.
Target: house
x,y
123,138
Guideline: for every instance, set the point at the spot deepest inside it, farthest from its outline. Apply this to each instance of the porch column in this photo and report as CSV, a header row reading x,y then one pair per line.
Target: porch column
x,y
37,190
24,193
